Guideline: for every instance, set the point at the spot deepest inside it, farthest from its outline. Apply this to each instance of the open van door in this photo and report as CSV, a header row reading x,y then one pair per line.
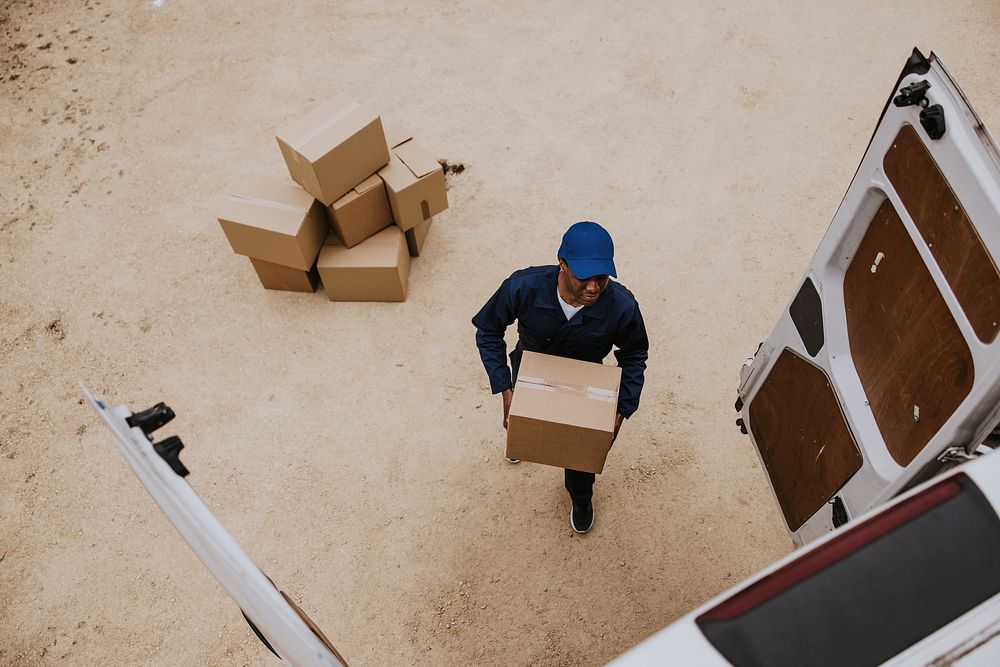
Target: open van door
x,y
273,616
884,369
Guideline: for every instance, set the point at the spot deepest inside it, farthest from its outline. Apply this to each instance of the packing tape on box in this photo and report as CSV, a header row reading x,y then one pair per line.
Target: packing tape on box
x,y
325,125
595,393
269,204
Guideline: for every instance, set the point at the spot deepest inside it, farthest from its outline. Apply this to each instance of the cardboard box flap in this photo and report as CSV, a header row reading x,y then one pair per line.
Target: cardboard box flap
x,y
592,393
567,391
545,403
278,206
294,130
369,183
585,407
264,205
394,136
344,201
361,188
328,122
389,236
279,196
334,122
395,174
416,158
549,369
380,250
358,257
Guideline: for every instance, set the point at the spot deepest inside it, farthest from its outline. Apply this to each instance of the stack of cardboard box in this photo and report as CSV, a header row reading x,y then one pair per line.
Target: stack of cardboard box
x,y
363,209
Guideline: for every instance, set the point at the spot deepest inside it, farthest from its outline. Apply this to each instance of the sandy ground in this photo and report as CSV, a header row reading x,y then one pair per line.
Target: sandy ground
x,y
354,449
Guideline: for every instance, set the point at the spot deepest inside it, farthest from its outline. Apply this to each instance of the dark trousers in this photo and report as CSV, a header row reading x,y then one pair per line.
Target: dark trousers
x,y
580,486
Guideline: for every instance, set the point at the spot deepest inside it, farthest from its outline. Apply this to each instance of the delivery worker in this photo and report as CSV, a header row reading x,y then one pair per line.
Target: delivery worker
x,y
573,310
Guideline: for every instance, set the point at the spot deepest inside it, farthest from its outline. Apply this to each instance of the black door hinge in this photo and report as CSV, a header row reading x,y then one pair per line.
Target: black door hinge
x,y
170,451
151,419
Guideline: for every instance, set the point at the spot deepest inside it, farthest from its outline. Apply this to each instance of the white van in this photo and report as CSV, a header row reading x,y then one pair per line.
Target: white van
x,y
881,375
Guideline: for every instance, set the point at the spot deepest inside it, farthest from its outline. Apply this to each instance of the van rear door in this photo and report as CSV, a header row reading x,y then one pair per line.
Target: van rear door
x,y
885,366
278,622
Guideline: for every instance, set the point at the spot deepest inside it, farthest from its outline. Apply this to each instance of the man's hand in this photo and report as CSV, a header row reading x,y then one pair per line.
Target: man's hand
x,y
508,396
618,425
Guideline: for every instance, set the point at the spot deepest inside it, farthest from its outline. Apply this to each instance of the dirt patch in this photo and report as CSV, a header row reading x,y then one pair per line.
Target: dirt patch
x,y
56,330
451,169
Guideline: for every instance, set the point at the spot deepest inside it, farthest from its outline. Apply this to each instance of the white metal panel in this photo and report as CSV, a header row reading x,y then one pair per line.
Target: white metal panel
x,y
967,158
253,592
972,640
679,644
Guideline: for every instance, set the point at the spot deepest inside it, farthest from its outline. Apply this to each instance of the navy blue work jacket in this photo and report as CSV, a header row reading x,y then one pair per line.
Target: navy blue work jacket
x,y
529,296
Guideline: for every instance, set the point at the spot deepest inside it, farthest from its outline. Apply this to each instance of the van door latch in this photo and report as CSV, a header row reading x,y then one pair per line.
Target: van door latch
x,y
932,119
931,115
839,512
915,93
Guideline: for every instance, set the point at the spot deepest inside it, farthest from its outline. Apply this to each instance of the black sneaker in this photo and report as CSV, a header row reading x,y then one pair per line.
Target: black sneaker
x,y
581,518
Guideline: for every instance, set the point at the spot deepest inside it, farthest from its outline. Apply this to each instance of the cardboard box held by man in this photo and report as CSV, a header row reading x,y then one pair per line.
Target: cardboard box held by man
x,y
563,412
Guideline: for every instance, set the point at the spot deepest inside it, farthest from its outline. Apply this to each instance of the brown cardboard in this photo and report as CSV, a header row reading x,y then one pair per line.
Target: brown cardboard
x,y
414,182
278,277
563,412
361,212
396,135
377,269
281,224
415,237
333,148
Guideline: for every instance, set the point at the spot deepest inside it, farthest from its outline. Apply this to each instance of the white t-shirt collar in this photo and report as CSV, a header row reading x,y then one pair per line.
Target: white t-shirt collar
x,y
569,310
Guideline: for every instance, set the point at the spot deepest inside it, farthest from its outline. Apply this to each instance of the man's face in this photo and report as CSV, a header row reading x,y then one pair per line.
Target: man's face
x,y
584,291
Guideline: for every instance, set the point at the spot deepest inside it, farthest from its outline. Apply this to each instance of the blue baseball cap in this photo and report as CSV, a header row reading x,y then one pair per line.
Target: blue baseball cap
x,y
588,249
